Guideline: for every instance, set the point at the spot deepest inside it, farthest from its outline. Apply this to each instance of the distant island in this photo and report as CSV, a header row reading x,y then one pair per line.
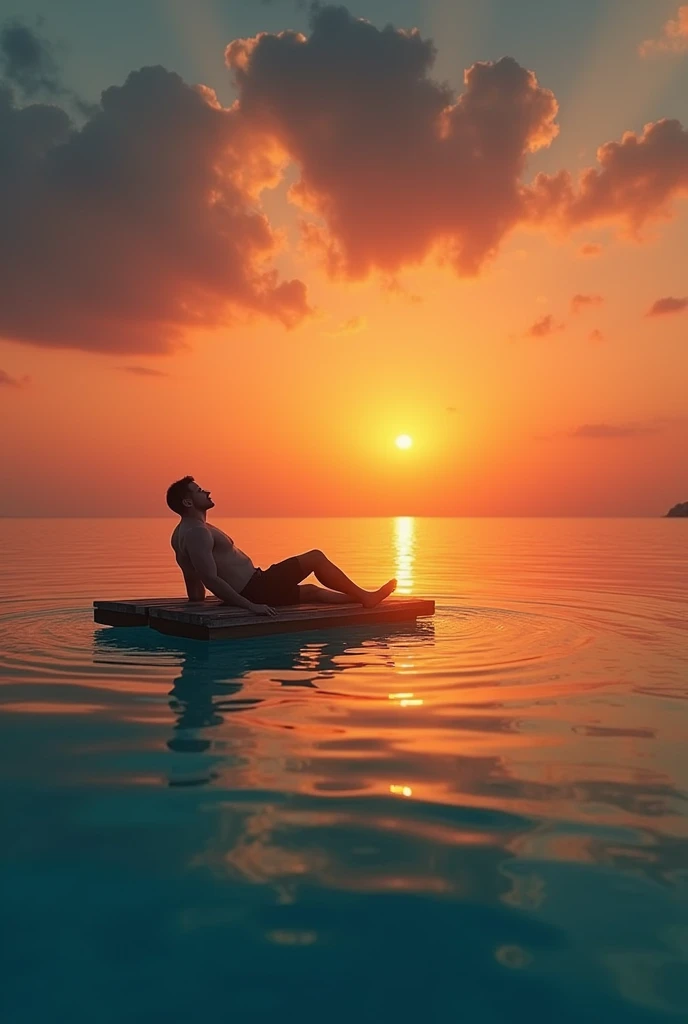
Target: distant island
x,y
679,510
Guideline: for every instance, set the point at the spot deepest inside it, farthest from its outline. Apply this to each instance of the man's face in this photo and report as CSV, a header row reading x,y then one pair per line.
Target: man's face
x,y
199,497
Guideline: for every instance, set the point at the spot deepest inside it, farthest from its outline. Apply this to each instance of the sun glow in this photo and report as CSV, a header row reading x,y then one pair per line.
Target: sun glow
x,y
403,441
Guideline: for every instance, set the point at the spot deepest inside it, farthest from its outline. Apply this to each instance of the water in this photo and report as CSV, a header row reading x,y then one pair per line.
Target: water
x,y
479,818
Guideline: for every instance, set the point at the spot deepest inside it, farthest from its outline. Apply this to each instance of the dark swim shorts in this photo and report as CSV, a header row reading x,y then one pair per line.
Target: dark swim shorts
x,y
277,585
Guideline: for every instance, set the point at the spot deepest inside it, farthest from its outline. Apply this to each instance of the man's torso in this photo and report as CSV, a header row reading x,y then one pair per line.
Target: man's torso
x,y
233,565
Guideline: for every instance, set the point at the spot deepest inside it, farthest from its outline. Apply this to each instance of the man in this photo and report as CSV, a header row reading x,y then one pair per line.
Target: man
x,y
209,558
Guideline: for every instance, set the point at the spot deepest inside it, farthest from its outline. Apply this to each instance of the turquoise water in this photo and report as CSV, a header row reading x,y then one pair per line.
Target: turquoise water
x,y
479,818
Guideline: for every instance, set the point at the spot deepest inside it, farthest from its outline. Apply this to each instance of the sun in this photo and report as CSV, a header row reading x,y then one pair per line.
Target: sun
x,y
403,441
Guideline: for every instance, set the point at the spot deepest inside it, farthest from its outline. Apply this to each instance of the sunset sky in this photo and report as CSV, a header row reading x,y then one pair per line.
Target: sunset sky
x,y
256,242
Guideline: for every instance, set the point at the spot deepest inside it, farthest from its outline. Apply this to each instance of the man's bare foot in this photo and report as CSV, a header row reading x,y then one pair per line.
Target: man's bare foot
x,y
374,597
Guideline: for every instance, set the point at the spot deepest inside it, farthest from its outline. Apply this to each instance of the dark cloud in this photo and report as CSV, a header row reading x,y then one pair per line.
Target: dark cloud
x,y
590,249
29,64
543,327
143,371
391,162
27,60
7,381
663,307
119,236
579,302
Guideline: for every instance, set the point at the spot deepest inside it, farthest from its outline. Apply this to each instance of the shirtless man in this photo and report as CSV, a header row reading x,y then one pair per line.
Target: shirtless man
x,y
209,558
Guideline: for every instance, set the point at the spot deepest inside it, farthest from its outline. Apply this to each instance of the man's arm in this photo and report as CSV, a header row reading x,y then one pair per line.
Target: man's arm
x,y
194,584
199,549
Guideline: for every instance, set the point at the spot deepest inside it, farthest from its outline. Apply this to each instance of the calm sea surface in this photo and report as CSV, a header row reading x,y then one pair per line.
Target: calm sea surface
x,y
479,818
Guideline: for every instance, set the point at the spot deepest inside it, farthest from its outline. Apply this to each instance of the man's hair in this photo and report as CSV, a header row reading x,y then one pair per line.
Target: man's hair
x,y
176,493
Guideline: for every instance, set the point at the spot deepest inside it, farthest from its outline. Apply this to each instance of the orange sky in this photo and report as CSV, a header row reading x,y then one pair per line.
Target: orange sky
x,y
303,421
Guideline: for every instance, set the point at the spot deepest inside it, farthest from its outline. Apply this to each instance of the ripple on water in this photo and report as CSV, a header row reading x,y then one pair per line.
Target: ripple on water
x,y
467,647
47,665
58,640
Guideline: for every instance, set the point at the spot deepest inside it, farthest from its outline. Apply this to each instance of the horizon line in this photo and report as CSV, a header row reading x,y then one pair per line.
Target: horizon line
x,y
390,515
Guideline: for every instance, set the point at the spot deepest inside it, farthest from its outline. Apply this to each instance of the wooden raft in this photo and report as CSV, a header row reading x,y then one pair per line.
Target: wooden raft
x,y
211,620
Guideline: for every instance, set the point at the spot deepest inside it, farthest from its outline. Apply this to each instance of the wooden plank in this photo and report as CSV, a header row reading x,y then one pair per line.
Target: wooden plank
x,y
293,619
135,613
142,604
210,619
213,612
109,617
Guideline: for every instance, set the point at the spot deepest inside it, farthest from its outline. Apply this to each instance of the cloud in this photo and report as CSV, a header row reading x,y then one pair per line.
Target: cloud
x,y
579,302
674,37
352,326
543,327
144,371
393,285
590,249
28,62
662,307
7,381
596,335
392,165
603,431
452,408
145,222
394,168
636,181
123,234
612,431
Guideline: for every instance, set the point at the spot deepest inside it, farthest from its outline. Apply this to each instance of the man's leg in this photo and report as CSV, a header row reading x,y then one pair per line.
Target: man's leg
x,y
331,576
310,594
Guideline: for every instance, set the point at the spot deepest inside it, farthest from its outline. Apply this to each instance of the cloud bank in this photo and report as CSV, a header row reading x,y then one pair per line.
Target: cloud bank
x,y
122,234
393,167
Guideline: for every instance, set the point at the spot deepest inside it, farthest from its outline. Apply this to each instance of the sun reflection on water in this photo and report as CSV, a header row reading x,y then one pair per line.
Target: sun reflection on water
x,y
404,550
401,790
405,700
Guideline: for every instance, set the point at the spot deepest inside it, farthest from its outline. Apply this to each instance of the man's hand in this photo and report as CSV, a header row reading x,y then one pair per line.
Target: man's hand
x,y
262,609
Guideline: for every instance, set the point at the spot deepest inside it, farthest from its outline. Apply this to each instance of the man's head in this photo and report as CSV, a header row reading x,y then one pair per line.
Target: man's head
x,y
186,497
